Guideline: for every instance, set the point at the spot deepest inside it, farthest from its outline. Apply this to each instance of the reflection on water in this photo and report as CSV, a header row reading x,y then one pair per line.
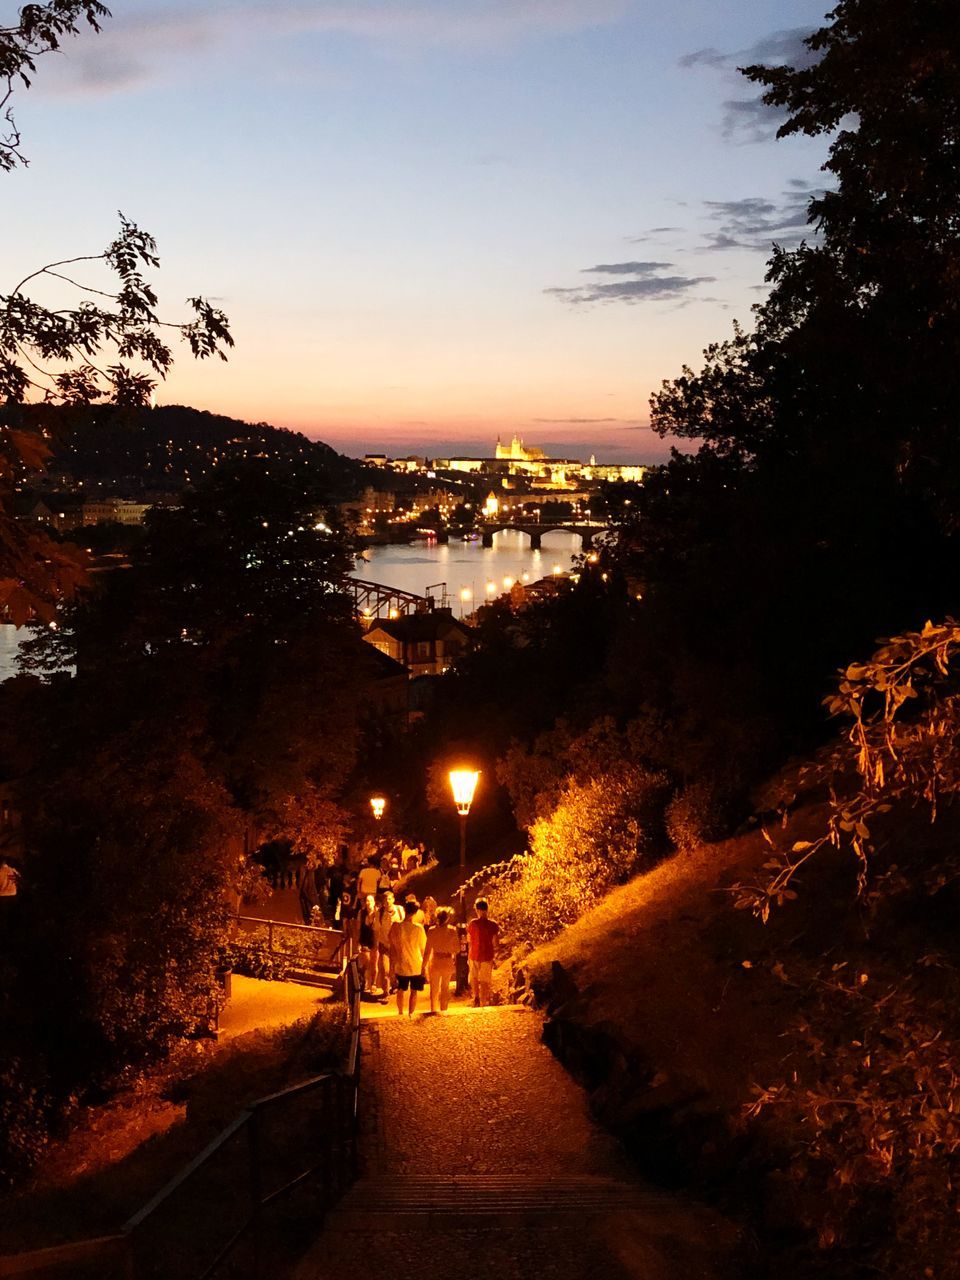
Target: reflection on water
x,y
8,650
467,568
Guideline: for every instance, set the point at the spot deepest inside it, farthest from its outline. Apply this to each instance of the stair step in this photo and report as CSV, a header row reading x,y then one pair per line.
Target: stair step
x,y
402,1200
311,978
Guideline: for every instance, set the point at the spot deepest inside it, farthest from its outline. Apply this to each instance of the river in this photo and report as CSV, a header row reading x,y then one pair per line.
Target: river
x,y
470,572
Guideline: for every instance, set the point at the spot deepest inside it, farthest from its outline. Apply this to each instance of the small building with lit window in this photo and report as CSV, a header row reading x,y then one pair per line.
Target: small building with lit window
x,y
426,643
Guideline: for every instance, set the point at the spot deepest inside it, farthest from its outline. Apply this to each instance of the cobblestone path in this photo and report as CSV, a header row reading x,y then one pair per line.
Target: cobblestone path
x,y
480,1159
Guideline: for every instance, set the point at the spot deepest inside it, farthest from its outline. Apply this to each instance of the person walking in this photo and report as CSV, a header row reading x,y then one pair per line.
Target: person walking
x,y
482,935
369,878
439,959
368,941
388,914
349,921
408,944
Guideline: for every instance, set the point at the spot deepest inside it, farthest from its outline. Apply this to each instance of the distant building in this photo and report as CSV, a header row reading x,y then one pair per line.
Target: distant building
x,y
371,503
516,451
426,643
519,459
58,510
114,511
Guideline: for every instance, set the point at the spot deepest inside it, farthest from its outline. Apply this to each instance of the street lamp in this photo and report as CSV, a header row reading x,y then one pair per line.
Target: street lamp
x,y
463,783
378,804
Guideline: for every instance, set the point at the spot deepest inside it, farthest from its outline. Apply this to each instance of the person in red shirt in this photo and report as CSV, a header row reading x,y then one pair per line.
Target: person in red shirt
x,y
482,935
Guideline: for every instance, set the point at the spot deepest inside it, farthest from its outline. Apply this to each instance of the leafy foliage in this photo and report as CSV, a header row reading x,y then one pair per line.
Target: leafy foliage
x,y
41,29
77,356
873,1114
32,335
598,834
900,749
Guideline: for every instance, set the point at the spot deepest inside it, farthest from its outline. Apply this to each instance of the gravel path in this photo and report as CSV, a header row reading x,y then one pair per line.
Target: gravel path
x,y
480,1158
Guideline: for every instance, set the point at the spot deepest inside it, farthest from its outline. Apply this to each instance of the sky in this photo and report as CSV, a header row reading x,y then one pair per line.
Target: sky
x,y
431,222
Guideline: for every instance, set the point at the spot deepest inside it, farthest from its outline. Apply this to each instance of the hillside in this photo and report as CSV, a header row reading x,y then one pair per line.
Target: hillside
x,y
674,1009
172,446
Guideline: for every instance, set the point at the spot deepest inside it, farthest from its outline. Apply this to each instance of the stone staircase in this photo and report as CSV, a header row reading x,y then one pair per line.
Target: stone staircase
x,y
402,1202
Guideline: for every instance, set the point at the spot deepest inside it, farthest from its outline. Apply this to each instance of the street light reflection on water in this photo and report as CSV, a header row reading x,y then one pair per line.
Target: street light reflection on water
x,y
468,567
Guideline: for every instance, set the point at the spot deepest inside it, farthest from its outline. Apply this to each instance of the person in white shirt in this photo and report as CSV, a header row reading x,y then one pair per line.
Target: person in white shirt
x,y
368,879
388,915
443,943
408,942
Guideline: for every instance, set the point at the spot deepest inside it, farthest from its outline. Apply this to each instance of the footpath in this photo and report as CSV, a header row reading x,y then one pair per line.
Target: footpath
x,y
479,1158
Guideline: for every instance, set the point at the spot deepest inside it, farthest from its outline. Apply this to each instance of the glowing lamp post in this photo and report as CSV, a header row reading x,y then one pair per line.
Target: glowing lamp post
x,y
463,783
378,804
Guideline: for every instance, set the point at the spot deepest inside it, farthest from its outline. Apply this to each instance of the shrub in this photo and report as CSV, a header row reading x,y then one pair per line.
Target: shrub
x,y
253,960
25,1116
597,836
872,1108
695,814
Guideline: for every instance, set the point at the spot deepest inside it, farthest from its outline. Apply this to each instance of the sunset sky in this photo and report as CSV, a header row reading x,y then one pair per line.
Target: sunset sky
x,y
430,221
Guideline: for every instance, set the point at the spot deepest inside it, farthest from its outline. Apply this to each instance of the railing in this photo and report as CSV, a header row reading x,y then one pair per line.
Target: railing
x,y
192,1227
372,600
312,945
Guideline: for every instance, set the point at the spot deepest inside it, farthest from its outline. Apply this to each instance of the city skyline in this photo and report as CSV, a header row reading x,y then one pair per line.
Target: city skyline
x,y
429,224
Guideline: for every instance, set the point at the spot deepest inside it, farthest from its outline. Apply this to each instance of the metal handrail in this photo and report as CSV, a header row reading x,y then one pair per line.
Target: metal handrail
x,y
287,924
24,1264
122,1244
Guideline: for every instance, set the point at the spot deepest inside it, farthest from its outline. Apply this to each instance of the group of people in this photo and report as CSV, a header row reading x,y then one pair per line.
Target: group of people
x,y
404,945
403,948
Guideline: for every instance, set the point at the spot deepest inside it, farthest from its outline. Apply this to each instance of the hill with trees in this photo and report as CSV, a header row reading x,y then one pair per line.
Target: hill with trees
x,y
171,447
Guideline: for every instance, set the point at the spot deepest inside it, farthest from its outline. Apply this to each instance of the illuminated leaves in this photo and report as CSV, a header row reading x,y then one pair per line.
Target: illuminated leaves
x,y
901,746
877,1100
596,835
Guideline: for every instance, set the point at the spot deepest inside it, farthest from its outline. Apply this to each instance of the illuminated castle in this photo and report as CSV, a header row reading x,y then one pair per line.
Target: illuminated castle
x,y
517,451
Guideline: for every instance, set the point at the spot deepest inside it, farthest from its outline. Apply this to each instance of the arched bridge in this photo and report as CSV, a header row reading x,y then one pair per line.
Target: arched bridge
x,y
535,529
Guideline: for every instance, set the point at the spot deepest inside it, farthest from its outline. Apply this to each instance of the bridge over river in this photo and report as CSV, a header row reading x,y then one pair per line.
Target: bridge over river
x,y
587,530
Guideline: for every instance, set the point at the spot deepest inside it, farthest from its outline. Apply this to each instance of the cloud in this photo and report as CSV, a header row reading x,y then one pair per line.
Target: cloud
x,y
159,39
646,286
756,222
583,422
749,119
626,268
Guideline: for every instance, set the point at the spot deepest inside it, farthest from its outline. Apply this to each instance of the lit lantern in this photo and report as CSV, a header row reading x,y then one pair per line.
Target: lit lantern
x,y
378,804
463,783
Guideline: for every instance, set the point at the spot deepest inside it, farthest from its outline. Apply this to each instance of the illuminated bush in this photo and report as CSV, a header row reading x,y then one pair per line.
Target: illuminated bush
x,y
597,836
